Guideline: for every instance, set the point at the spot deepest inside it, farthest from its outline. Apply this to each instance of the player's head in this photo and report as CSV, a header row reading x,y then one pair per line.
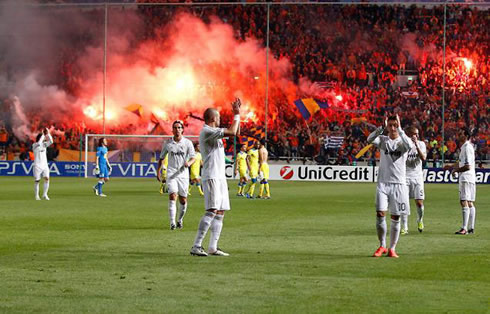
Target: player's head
x,y
177,128
196,146
243,147
411,131
102,141
211,117
38,137
464,134
257,144
392,126
262,142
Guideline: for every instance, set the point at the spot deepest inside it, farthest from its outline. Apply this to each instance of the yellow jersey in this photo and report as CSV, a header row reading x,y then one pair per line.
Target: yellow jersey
x,y
241,161
253,159
196,166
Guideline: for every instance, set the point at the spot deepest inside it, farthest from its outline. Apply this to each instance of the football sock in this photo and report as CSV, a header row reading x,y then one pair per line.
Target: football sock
x,y
381,229
404,221
261,191
267,190
466,214
46,188
240,187
36,188
420,213
172,211
394,233
216,226
183,209
190,188
99,185
252,189
472,218
199,188
204,224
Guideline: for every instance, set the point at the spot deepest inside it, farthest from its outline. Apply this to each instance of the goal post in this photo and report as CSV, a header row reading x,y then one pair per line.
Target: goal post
x,y
124,149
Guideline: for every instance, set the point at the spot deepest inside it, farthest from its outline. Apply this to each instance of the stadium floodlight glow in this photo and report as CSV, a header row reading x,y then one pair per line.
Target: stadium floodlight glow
x,y
126,148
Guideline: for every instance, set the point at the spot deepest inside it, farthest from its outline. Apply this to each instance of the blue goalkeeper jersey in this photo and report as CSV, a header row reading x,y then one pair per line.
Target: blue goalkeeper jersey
x,y
101,155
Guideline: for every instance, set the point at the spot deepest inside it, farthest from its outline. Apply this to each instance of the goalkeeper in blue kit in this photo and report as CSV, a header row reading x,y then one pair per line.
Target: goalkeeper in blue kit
x,y
102,167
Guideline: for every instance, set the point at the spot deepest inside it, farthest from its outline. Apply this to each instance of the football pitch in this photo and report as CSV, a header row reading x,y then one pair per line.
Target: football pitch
x,y
306,250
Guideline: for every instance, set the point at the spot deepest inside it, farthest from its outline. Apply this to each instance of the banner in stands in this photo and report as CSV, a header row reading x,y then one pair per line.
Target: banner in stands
x,y
277,172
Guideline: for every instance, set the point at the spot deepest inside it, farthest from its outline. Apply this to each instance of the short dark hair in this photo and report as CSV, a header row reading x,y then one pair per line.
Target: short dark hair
x,y
38,137
178,122
209,114
262,141
392,118
101,141
467,132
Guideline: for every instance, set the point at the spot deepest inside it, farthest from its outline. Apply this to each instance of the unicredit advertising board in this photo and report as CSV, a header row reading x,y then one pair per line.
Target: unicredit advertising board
x,y
356,174
277,172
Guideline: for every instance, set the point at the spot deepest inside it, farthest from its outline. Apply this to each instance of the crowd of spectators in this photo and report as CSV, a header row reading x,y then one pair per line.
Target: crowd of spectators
x,y
381,59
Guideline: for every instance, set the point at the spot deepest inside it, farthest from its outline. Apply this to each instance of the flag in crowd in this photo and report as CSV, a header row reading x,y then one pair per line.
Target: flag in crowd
x,y
334,142
309,106
253,135
137,109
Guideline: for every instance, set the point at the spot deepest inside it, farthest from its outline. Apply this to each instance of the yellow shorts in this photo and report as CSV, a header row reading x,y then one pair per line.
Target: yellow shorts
x,y
195,175
242,172
254,172
264,168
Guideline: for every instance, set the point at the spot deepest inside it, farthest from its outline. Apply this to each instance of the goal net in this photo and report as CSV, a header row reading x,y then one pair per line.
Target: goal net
x,y
129,155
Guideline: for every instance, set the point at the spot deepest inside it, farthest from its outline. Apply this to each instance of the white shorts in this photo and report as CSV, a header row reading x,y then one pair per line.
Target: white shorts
x,y
416,188
216,194
393,196
179,186
467,191
40,173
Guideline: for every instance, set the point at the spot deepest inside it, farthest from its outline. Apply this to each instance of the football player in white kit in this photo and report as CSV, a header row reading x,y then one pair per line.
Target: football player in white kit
x,y
40,168
181,156
391,190
215,187
467,181
415,178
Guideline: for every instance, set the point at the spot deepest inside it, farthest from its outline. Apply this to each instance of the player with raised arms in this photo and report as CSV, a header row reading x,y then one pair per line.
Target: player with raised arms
x,y
391,190
263,171
196,170
102,167
181,157
415,178
40,168
241,168
216,198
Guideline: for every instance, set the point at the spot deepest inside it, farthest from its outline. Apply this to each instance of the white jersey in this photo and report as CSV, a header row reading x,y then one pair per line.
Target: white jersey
x,y
39,149
178,153
392,166
467,157
213,152
414,162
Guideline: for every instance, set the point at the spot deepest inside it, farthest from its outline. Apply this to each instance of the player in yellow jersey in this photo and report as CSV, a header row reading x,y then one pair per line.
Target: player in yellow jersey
x,y
264,171
253,169
163,171
241,168
196,170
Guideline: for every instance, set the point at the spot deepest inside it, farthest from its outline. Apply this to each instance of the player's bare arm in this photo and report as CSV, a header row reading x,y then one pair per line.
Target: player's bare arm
x,y
189,163
233,129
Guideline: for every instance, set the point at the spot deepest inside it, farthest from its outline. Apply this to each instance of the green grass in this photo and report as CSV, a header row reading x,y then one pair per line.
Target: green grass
x,y
306,250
